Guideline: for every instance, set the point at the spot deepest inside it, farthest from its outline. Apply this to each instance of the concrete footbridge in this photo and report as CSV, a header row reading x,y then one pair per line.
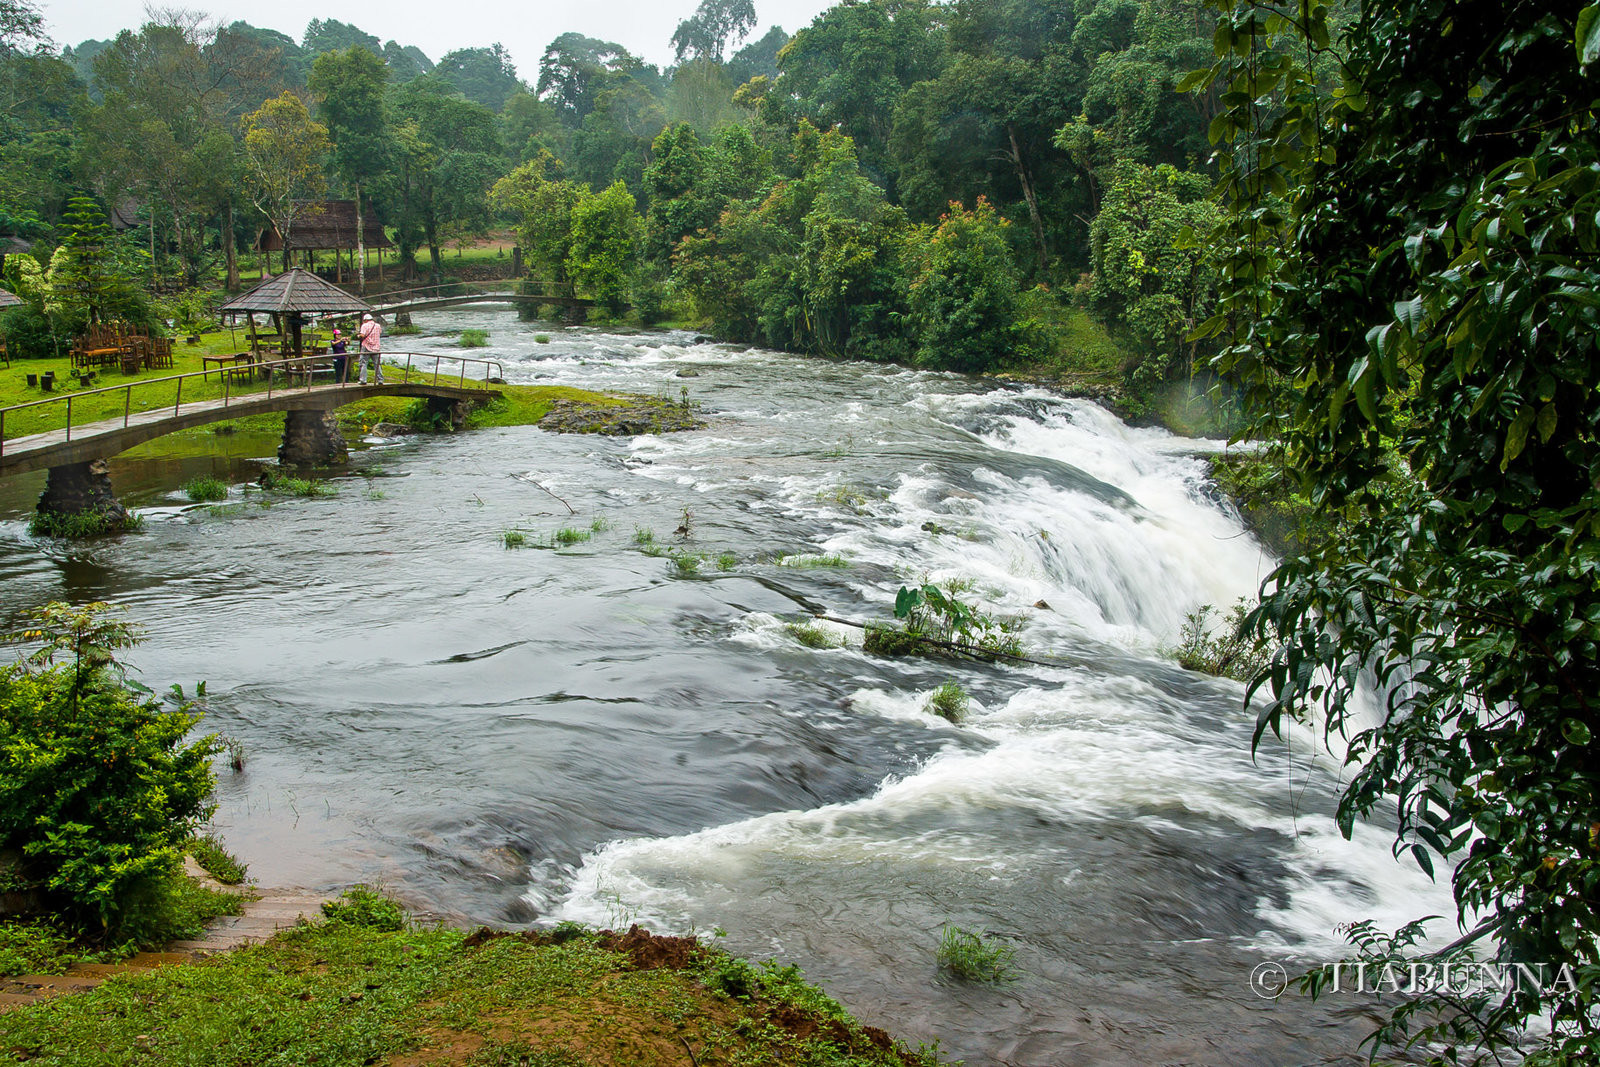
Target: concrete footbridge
x,y
75,448
434,297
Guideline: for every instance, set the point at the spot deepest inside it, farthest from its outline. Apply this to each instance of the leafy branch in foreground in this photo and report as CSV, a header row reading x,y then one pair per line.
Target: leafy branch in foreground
x,y
1410,304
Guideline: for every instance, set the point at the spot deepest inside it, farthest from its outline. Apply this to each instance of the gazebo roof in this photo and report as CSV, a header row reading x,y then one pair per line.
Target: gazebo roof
x,y
296,290
9,300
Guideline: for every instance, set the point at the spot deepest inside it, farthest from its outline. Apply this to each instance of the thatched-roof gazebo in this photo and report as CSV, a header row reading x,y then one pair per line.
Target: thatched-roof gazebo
x,y
9,300
293,294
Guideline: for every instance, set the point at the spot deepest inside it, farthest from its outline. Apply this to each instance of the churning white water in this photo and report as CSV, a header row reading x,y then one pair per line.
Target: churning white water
x,y
593,734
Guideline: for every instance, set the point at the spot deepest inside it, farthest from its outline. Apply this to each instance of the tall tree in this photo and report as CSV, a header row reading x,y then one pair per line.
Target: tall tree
x,y
167,92
349,90
715,25
575,70
21,28
1410,277
283,154
850,67
483,75
452,158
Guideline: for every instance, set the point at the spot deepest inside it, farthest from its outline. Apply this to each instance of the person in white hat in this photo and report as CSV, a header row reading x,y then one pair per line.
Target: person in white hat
x,y
371,333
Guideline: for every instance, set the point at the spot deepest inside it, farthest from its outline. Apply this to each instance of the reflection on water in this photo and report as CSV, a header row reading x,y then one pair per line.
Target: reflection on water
x,y
591,732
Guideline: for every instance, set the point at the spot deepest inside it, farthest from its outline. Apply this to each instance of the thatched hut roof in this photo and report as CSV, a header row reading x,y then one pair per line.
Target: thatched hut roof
x,y
296,290
325,225
9,300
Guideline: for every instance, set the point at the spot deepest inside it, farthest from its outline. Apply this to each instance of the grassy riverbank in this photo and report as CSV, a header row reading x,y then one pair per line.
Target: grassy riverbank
x,y
367,988
519,405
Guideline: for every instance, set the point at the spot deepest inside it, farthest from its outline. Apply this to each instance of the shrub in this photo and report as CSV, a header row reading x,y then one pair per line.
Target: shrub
x,y
205,488
362,905
99,791
473,338
949,702
1230,651
976,957
541,338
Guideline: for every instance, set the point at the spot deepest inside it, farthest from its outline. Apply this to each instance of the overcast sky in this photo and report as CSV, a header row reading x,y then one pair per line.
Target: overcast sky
x,y
644,27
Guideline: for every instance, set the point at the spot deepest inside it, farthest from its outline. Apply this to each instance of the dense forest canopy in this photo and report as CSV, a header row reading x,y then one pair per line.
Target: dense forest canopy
x,y
1038,111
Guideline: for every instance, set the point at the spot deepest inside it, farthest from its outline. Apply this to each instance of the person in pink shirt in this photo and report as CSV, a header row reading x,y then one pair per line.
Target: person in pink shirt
x,y
371,333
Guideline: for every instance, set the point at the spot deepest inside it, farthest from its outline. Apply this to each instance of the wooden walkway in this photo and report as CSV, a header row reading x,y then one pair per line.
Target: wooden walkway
x,y
271,911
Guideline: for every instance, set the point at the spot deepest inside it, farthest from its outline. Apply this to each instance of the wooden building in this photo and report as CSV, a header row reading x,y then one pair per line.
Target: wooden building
x,y
328,226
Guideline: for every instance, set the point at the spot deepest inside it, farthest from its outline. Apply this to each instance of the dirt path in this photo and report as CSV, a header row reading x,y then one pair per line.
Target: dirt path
x,y
271,911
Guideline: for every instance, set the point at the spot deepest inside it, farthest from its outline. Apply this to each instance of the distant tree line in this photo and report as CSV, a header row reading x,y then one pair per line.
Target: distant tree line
x,y
899,180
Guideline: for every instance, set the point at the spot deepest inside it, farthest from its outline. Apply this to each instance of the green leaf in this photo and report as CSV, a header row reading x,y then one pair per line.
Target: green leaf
x,y
1575,732
905,600
1364,397
1517,436
1587,38
1547,421
1193,80
1409,313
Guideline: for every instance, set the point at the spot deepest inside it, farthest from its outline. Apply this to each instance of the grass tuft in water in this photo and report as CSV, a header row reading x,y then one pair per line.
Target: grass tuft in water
x,y
976,957
813,636
643,535
687,563
600,525
569,535
473,338
813,561
513,539
726,561
950,702
205,488
81,524
541,338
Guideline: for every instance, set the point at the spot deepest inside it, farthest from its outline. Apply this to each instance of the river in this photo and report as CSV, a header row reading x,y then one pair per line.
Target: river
x,y
508,735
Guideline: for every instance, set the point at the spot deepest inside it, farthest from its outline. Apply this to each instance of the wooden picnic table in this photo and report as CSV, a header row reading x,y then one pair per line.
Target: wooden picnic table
x,y
227,363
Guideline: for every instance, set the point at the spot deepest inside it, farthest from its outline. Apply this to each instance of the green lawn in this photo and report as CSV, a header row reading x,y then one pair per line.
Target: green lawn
x,y
107,397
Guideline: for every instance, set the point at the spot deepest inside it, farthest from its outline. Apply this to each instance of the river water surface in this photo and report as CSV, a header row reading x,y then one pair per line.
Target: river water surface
x,y
589,732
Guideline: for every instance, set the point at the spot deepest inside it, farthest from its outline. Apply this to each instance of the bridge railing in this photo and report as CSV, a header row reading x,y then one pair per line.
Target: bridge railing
x,y
291,367
428,292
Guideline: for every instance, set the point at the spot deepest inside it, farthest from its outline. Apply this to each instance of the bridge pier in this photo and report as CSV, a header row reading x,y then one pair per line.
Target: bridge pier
x,y
81,489
441,408
311,439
